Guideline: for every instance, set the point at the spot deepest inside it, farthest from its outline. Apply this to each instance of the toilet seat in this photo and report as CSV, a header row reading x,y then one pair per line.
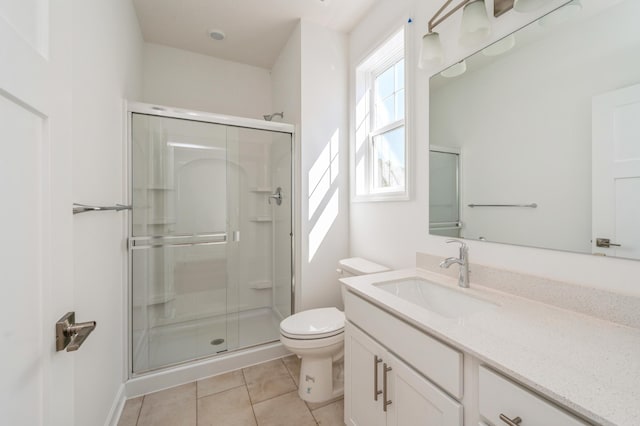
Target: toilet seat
x,y
313,324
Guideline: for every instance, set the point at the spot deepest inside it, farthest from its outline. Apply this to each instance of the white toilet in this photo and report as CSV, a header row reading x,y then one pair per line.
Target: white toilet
x,y
317,337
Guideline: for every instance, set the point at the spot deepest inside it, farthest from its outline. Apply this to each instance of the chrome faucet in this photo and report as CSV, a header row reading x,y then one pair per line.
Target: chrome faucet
x,y
462,260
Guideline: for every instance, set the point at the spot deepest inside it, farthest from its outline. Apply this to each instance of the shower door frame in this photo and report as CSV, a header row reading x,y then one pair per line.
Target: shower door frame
x,y
207,117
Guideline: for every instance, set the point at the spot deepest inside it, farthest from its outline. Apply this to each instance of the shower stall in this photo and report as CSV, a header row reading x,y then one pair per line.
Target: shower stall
x,y
211,235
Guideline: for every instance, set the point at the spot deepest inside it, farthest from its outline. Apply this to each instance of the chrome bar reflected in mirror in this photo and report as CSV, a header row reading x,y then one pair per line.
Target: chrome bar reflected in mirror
x,y
531,206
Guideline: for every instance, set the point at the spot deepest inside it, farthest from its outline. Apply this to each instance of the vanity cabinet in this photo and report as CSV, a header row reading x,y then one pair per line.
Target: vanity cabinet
x,y
503,401
398,375
382,390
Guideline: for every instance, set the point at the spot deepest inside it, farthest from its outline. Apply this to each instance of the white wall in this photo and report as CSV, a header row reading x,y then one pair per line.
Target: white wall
x,y
324,164
179,78
310,85
391,233
107,48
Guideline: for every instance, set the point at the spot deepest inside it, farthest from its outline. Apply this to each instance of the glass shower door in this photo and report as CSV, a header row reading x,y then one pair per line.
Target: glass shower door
x,y
444,193
182,276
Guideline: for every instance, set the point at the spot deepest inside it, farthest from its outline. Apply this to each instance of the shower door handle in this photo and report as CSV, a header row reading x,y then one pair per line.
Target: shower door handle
x,y
276,196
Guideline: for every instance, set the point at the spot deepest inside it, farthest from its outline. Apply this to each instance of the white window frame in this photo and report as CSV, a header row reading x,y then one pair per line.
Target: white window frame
x,y
371,67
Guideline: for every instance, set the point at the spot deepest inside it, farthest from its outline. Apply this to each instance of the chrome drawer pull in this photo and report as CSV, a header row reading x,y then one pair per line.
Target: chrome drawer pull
x,y
511,422
376,392
384,388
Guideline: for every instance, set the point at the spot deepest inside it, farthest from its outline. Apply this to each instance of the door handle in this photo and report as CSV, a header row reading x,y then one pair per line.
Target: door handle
x,y
606,243
71,335
376,392
386,402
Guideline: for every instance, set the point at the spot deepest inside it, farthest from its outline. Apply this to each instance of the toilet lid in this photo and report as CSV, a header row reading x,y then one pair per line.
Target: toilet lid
x,y
313,324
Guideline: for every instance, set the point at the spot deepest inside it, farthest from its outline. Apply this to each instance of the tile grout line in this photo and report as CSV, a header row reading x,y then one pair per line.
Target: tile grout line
x,y
246,387
289,371
140,410
298,388
197,414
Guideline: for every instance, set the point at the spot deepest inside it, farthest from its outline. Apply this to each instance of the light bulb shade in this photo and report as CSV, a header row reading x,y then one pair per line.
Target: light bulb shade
x,y
455,70
431,53
475,24
500,46
526,6
561,15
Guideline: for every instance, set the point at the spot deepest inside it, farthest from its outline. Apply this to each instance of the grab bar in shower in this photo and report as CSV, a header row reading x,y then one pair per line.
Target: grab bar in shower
x,y
83,208
531,206
177,240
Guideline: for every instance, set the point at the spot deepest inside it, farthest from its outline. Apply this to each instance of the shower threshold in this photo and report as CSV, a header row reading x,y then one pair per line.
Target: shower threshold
x,y
171,345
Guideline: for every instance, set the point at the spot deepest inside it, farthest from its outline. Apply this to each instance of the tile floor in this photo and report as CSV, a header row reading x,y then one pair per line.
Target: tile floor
x,y
262,395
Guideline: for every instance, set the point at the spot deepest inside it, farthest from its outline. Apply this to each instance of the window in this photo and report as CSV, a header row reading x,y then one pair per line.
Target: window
x,y
380,148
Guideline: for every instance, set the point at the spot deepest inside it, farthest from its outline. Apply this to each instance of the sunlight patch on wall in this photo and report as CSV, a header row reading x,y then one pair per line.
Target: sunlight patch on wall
x,y
323,225
323,173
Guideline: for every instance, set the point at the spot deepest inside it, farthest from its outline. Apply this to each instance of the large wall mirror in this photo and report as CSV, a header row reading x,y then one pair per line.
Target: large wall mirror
x,y
538,142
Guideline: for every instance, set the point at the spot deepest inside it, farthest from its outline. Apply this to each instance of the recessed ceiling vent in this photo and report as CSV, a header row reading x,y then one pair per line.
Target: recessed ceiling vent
x,y
217,35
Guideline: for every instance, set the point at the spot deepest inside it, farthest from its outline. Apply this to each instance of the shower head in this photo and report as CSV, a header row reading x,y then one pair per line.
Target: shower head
x,y
269,117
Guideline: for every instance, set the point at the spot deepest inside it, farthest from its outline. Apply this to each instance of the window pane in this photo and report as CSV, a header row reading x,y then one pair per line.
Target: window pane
x,y
400,74
385,111
384,84
388,161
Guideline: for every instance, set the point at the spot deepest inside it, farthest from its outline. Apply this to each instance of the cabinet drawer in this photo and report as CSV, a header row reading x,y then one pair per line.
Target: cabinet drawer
x,y
499,395
437,361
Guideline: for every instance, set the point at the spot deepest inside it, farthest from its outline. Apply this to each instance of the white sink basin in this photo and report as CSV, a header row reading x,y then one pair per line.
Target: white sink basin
x,y
435,297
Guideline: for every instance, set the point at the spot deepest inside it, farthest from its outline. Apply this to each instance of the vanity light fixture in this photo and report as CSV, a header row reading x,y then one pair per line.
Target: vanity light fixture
x,y
500,46
455,70
561,15
474,29
526,6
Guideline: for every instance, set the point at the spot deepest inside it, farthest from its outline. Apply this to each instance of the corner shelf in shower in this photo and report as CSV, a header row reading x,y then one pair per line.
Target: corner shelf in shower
x,y
260,285
261,189
261,219
161,221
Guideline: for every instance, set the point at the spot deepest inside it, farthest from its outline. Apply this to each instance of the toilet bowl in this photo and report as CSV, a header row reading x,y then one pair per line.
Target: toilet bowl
x,y
316,336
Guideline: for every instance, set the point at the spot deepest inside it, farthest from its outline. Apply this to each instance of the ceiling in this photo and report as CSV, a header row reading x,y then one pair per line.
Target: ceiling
x,y
256,30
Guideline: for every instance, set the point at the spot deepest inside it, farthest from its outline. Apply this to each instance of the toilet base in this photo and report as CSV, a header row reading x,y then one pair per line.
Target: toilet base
x,y
321,379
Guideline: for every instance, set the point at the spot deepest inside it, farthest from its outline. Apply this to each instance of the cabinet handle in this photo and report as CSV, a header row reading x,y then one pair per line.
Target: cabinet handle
x,y
511,422
384,387
376,392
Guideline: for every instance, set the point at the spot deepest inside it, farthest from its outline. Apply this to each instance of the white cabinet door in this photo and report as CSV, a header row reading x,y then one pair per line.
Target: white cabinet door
x,y
363,404
35,188
415,401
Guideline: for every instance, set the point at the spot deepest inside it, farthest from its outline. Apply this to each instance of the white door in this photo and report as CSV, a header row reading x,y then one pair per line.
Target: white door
x,y
35,211
616,173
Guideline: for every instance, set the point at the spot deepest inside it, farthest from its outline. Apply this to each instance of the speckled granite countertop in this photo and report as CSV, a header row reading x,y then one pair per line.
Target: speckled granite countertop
x,y
587,364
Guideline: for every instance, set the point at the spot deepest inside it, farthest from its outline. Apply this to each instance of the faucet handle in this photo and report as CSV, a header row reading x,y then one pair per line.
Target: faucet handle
x,y
463,246
462,243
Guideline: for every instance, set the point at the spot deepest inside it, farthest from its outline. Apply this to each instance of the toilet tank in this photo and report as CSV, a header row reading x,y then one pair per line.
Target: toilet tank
x,y
358,266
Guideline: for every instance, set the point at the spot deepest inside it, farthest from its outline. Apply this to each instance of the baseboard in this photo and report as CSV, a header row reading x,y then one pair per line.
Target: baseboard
x,y
116,407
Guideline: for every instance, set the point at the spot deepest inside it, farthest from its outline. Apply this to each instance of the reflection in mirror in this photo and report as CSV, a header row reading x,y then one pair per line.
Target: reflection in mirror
x,y
444,198
553,120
